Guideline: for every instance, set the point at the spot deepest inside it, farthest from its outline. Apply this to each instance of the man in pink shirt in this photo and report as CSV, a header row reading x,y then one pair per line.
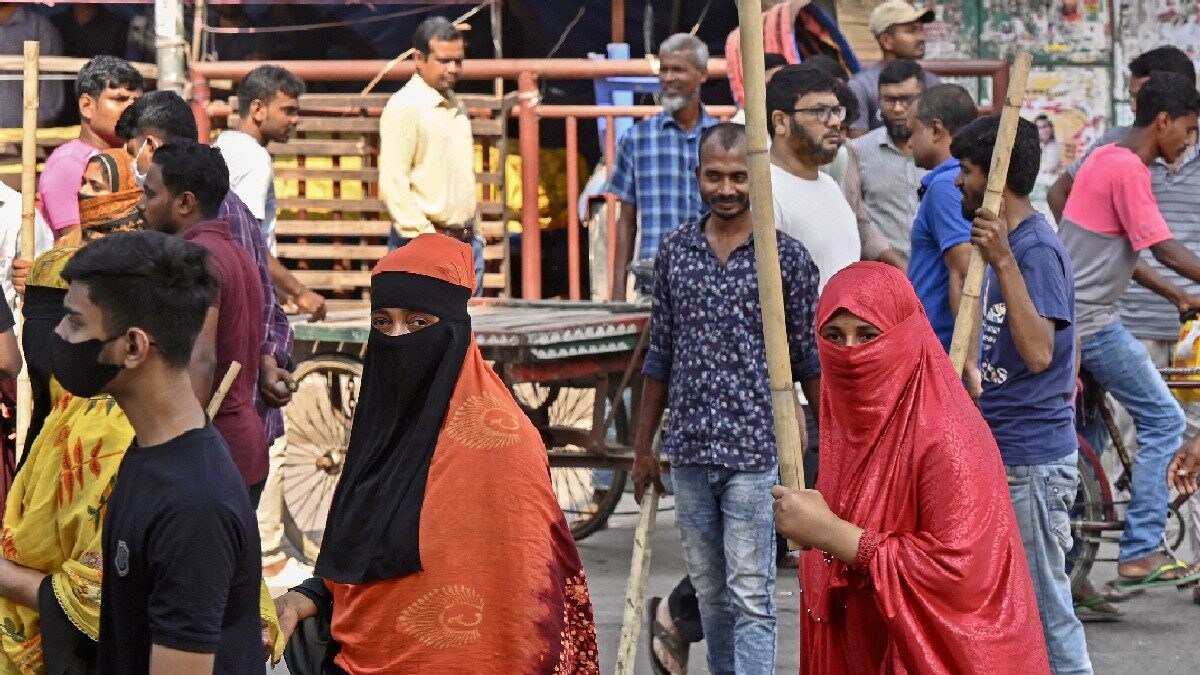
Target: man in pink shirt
x,y
1110,217
106,86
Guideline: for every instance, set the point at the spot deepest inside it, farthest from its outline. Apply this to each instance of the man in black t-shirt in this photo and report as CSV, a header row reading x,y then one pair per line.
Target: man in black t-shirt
x,y
181,575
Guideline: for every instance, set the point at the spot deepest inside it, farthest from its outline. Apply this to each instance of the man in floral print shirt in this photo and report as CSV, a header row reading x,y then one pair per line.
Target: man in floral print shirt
x,y
707,363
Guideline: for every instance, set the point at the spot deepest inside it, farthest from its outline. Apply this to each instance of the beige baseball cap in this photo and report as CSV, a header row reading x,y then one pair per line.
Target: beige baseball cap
x,y
895,13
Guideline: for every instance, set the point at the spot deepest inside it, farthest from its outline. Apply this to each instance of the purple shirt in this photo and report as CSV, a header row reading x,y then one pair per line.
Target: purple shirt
x,y
277,332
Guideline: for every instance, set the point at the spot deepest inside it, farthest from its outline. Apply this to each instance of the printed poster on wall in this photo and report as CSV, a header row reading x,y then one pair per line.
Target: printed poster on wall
x,y
1070,106
1054,31
1143,25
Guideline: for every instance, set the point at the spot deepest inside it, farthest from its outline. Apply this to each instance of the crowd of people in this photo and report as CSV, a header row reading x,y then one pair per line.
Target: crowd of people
x,y
143,524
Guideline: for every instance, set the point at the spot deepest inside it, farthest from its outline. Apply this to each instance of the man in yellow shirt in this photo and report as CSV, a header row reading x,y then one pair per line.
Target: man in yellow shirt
x,y
426,155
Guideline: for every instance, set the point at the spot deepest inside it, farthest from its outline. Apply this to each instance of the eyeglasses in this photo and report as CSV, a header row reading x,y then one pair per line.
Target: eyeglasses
x,y
823,112
893,101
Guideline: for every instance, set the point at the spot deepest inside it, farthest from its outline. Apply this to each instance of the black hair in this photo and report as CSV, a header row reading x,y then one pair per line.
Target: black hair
x,y
189,166
264,83
1171,93
949,103
434,28
726,134
150,280
975,142
792,82
847,99
104,72
828,65
159,110
773,60
1167,59
902,70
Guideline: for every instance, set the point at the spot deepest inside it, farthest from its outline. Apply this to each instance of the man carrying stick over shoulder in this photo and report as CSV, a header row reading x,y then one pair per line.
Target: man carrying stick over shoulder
x,y
1027,362
707,357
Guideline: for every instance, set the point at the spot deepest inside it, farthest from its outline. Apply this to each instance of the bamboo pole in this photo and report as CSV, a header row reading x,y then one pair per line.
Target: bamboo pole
x,y
639,574
30,104
968,306
226,382
766,250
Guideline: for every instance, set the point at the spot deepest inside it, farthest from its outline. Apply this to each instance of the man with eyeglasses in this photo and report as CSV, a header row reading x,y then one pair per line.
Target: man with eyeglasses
x,y
890,178
899,28
805,119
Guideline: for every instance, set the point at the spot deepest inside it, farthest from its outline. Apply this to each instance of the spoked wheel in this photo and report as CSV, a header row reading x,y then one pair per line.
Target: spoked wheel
x,y
318,432
1088,510
587,496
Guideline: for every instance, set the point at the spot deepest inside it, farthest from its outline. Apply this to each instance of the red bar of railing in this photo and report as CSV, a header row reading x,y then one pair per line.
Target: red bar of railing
x,y
573,274
610,201
531,227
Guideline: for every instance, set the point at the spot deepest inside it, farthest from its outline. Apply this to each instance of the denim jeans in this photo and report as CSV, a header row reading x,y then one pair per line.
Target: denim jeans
x,y
728,532
1121,364
395,241
1042,495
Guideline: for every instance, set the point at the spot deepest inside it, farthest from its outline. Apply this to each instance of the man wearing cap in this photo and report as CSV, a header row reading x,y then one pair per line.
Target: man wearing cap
x,y
899,28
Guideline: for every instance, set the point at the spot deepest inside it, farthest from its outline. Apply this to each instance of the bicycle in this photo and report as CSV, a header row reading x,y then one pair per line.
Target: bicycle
x,y
1098,514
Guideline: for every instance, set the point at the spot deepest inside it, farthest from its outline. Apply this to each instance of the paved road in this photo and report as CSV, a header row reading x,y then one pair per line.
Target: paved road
x,y
1160,635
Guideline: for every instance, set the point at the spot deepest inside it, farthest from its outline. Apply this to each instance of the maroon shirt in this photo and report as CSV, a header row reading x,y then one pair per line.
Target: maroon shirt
x,y
239,338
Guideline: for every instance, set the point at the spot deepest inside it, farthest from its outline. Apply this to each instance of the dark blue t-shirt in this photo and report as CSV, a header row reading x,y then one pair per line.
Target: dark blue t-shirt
x,y
938,227
1031,415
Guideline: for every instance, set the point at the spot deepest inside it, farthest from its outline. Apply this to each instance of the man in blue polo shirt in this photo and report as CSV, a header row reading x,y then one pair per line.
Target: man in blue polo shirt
x,y
941,236
654,175
1027,360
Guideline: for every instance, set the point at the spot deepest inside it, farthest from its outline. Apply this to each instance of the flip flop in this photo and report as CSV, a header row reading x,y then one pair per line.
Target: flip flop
x,y
1155,578
657,630
1096,608
1111,593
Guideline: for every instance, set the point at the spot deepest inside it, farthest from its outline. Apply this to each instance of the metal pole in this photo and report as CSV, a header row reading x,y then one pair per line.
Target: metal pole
x,y
531,233
170,45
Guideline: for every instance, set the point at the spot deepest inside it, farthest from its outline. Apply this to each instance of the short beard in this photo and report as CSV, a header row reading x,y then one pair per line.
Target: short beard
x,y
672,103
808,148
898,131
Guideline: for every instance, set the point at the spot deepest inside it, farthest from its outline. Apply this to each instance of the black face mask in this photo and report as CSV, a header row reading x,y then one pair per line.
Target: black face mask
x,y
77,367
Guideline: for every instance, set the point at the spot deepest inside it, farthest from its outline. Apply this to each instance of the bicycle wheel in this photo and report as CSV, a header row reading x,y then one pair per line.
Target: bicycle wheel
x,y
1087,510
586,496
318,433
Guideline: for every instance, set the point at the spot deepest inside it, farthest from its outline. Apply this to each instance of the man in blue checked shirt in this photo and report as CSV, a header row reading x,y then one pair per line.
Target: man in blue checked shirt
x,y
654,175
707,363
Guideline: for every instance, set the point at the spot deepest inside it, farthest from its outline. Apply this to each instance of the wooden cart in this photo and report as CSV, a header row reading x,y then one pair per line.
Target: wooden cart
x,y
573,366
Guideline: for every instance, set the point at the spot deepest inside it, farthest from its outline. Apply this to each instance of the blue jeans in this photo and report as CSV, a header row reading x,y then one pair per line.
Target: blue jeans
x,y
1121,364
728,532
395,241
1042,495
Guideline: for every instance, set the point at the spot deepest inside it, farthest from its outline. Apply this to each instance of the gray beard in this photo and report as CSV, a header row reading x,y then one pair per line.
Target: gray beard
x,y
672,103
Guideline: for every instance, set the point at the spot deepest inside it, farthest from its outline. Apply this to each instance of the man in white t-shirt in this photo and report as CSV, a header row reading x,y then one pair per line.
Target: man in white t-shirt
x,y
806,119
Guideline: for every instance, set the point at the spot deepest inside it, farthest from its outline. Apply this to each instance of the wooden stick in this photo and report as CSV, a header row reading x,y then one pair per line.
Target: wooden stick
x,y
968,306
766,249
639,574
29,123
219,395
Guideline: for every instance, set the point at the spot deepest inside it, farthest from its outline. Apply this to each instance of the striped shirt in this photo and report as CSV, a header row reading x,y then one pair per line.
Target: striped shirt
x,y
656,172
890,181
1146,314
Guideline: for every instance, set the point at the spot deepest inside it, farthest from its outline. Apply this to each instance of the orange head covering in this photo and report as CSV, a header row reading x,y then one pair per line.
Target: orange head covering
x,y
444,532
116,211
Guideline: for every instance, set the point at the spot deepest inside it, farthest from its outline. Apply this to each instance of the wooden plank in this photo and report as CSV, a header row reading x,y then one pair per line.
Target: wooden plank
x,y
338,123
493,252
334,279
367,175
491,229
343,228
332,251
305,146
299,203
494,209
493,280
349,101
486,127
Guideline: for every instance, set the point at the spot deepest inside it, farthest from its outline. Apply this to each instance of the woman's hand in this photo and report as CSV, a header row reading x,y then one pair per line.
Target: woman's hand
x,y
292,608
802,516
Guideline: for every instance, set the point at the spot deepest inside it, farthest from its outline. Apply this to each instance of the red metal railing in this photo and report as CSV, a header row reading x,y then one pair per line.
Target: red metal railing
x,y
528,111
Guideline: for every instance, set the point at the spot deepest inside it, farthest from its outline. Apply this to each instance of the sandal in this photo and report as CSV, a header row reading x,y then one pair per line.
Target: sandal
x,y
1111,593
1096,608
1185,574
678,650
